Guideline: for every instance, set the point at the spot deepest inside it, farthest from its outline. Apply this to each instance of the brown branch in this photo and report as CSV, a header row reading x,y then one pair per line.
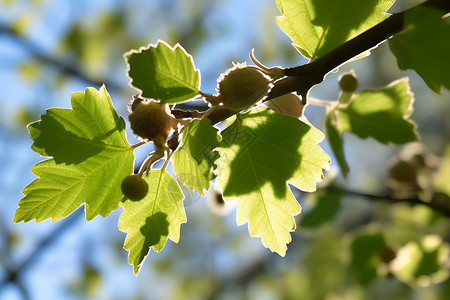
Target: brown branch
x,y
302,78
439,202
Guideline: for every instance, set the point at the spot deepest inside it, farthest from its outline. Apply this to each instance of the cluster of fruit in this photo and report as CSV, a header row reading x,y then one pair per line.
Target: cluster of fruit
x,y
239,88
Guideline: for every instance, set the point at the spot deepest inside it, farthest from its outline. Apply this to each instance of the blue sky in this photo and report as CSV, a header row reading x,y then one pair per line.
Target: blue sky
x,y
60,264
234,27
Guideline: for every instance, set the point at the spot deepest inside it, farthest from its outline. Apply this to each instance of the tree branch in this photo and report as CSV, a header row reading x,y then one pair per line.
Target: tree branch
x,y
13,274
302,78
439,202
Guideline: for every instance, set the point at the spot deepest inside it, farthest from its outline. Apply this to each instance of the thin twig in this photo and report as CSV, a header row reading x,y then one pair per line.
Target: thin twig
x,y
439,202
319,102
14,273
139,144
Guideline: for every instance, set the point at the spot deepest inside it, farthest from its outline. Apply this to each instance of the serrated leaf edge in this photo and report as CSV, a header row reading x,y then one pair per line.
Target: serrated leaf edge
x,y
156,45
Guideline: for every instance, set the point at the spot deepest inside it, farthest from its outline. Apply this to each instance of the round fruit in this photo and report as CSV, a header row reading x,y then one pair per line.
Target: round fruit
x,y
348,82
151,121
242,86
289,105
134,187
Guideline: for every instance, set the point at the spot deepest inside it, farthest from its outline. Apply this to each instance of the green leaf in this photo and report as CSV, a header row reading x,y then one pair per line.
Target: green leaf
x,y
91,156
318,26
336,142
193,162
366,256
150,221
424,46
423,263
260,152
442,178
324,260
163,73
327,205
381,114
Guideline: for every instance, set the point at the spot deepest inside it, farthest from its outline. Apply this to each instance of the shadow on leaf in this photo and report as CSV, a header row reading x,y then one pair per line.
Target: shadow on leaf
x,y
52,138
338,20
156,227
262,147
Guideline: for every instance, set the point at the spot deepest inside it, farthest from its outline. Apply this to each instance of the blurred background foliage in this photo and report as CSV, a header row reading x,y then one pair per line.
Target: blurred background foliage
x,y
371,236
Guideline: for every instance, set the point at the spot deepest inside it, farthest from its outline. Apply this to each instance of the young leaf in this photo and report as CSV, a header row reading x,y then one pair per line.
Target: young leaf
x,y
260,152
91,156
381,114
424,46
193,163
316,27
336,142
163,73
150,221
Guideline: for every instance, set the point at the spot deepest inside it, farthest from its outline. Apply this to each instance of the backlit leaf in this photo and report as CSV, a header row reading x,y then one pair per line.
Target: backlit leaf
x,y
193,163
163,73
152,220
336,142
381,114
90,154
424,46
318,26
260,152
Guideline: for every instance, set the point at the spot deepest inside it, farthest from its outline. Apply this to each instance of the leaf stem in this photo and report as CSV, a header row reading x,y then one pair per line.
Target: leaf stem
x,y
138,144
149,161
208,112
166,163
318,102
344,97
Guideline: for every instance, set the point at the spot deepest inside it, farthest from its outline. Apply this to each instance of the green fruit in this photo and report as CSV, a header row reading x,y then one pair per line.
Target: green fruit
x,y
151,121
134,187
242,86
348,82
289,105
